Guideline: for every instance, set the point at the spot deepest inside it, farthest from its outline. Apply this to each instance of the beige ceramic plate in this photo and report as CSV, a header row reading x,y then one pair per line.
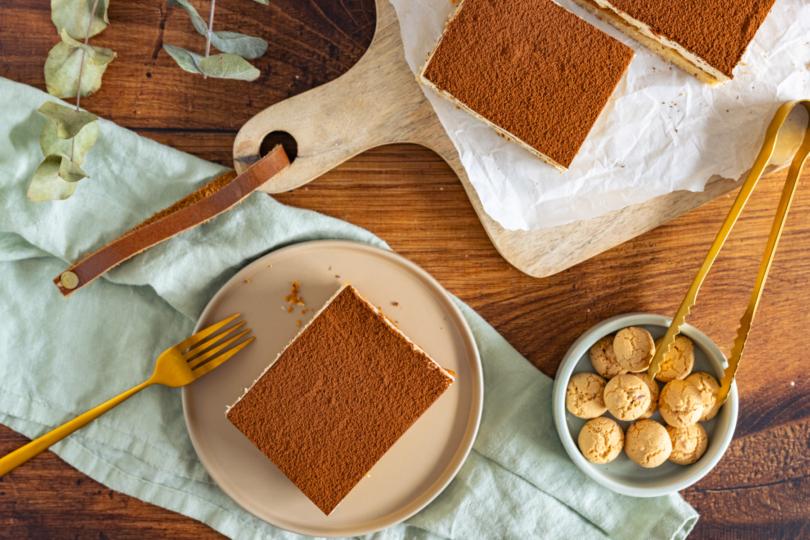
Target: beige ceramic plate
x,y
418,467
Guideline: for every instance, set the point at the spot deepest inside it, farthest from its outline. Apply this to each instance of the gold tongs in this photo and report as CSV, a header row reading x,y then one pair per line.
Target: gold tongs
x,y
770,249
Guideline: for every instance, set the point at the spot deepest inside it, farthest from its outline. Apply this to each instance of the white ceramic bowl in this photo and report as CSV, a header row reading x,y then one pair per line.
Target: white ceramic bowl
x,y
622,475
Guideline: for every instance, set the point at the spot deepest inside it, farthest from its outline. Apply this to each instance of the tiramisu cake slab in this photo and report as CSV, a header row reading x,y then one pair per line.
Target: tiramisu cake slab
x,y
338,397
706,38
533,71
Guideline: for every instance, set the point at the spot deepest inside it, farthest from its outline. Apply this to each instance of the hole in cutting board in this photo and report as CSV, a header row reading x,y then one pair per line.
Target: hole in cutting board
x,y
283,138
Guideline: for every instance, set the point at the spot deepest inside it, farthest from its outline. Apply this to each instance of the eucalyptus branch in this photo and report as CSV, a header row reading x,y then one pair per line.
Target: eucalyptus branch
x,y
209,32
81,64
81,70
235,48
210,28
72,68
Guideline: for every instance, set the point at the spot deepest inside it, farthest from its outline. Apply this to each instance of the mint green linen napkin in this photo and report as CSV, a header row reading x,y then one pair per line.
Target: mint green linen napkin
x,y
60,357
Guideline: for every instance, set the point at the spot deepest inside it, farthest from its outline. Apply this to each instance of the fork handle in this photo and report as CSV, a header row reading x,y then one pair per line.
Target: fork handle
x,y
34,448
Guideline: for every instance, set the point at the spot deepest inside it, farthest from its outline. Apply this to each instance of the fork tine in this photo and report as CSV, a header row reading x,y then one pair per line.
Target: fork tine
x,y
216,362
194,362
198,348
202,334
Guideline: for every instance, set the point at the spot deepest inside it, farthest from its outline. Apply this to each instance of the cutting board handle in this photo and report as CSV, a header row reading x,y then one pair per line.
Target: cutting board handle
x,y
376,102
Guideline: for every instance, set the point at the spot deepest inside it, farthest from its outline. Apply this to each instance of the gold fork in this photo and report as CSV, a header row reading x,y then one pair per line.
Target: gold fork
x,y
185,362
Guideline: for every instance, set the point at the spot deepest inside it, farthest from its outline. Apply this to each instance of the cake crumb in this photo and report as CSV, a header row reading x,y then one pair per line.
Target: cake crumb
x,y
247,281
293,297
337,276
298,322
303,311
289,309
395,304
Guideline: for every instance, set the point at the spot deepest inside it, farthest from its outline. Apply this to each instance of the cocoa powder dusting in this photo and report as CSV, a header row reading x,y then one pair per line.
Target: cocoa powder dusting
x,y
531,68
208,189
718,31
337,399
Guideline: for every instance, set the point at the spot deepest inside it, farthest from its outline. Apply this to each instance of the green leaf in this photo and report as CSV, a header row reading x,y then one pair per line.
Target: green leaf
x,y
74,16
239,44
229,42
69,171
99,55
48,184
62,72
187,60
70,121
263,2
51,143
228,66
196,20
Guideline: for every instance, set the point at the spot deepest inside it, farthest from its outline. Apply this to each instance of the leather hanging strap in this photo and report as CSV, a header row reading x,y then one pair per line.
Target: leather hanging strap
x,y
207,202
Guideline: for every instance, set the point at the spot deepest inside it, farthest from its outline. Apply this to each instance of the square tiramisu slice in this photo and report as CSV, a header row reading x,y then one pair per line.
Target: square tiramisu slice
x,y
706,38
533,71
338,397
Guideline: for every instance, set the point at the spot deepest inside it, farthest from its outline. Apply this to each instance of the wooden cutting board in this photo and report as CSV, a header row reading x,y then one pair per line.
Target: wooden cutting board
x,y
378,102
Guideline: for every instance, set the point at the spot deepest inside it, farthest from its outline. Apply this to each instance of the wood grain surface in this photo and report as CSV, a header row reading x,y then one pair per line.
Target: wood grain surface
x,y
411,198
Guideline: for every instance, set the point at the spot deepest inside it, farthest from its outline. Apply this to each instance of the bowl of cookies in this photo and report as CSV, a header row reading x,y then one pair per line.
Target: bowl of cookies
x,y
635,435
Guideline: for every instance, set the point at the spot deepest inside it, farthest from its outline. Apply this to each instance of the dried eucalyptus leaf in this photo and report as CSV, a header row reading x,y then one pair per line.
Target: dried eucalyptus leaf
x,y
263,2
70,121
187,60
103,56
74,16
50,142
47,184
69,171
62,72
99,55
196,20
228,66
239,44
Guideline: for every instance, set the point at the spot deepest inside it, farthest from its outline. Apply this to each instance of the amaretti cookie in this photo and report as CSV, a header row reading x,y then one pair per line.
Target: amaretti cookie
x,y
708,388
647,443
603,359
678,362
601,440
634,348
681,404
706,38
627,397
533,71
688,444
584,396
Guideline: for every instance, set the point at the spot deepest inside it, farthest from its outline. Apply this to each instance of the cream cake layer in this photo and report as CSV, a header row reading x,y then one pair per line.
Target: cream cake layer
x,y
338,397
706,39
533,71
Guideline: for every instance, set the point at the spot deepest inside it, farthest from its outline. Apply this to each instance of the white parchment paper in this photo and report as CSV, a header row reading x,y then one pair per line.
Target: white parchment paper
x,y
662,130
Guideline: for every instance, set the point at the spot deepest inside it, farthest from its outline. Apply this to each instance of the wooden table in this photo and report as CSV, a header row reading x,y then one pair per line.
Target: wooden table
x,y
411,198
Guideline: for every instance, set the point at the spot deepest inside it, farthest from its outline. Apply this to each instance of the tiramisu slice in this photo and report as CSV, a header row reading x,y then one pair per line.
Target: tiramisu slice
x,y
338,397
533,71
706,38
